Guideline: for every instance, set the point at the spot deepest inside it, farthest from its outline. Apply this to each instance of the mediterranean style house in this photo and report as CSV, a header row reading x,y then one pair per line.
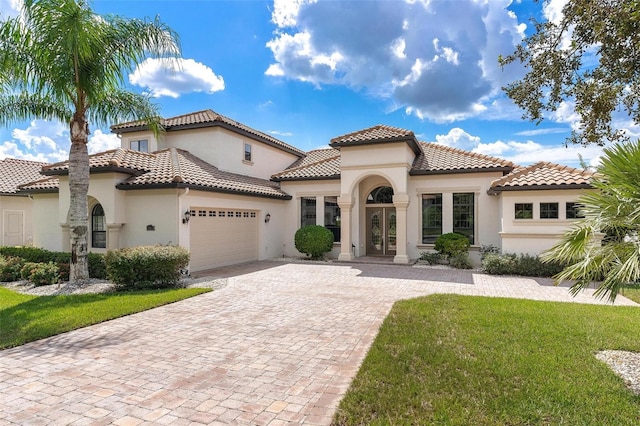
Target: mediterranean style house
x,y
232,194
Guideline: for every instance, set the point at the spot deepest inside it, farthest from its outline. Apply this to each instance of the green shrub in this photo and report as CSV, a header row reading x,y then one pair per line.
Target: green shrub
x,y
314,240
461,261
40,273
10,268
523,264
146,266
432,258
64,269
488,249
452,244
97,267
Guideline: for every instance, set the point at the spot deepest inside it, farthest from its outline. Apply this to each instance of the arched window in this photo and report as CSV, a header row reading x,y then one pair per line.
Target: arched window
x,y
98,227
381,195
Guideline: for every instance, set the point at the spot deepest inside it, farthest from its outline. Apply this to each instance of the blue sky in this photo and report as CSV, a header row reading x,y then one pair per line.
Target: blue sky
x,y
307,71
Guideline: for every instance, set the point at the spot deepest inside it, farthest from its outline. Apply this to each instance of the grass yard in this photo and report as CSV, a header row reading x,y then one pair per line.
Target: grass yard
x,y
460,360
25,318
632,293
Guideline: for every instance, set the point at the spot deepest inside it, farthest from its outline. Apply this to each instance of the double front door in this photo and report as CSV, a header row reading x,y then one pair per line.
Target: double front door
x,y
381,231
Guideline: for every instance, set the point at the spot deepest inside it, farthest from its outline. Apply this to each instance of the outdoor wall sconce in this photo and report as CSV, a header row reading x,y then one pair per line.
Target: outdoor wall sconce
x,y
186,216
267,218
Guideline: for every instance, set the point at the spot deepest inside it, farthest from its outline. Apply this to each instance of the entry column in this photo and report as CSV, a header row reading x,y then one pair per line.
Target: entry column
x,y
346,205
401,203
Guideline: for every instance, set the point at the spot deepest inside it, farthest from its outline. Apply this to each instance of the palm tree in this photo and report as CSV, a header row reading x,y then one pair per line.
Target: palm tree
x,y
61,61
612,212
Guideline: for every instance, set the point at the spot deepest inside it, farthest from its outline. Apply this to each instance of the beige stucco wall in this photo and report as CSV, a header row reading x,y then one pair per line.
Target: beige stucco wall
x,y
156,207
47,232
533,236
126,138
18,204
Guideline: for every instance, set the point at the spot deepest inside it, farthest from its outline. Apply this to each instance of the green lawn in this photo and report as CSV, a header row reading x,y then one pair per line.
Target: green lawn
x,y
632,293
25,318
460,360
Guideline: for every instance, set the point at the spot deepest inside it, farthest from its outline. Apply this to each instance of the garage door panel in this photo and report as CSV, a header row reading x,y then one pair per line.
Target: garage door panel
x,y
221,237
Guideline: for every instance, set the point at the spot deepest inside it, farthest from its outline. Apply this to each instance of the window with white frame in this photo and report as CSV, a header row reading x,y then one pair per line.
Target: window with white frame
x,y
332,217
141,145
549,211
463,215
524,211
308,211
98,227
431,217
573,210
247,152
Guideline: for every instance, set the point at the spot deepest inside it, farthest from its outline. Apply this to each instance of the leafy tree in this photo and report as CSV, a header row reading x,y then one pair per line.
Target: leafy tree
x,y
613,211
592,57
61,61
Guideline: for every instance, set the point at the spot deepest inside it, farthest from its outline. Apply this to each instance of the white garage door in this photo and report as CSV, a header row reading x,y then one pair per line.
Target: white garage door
x,y
221,237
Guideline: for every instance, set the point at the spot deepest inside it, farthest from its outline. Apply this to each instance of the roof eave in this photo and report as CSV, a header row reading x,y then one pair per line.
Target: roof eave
x,y
411,141
291,179
126,187
497,190
420,172
98,170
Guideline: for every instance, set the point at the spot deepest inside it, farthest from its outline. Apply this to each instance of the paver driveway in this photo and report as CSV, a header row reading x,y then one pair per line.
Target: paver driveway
x,y
276,346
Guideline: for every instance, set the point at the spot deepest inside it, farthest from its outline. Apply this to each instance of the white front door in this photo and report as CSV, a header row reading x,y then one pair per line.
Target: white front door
x,y
13,228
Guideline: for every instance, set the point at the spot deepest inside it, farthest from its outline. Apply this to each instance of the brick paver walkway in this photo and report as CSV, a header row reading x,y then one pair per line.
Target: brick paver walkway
x,y
278,345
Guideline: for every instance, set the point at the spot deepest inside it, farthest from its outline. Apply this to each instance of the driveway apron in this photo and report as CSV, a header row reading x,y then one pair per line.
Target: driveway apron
x,y
275,346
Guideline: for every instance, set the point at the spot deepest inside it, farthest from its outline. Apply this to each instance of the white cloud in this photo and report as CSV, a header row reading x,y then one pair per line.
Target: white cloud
x,y
10,8
547,131
437,60
458,138
49,141
99,141
530,152
161,78
523,153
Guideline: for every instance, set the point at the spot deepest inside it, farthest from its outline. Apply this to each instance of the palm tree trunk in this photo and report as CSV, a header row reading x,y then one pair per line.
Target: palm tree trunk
x,y
78,189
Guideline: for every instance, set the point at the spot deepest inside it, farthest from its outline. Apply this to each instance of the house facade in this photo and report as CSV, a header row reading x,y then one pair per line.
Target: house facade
x,y
232,194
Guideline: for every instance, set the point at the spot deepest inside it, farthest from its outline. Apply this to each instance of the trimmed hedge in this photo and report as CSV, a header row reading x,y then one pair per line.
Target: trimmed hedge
x,y
40,273
452,244
97,267
146,267
314,240
523,264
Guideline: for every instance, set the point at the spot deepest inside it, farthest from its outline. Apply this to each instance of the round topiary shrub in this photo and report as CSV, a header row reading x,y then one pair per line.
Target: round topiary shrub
x,y
452,244
314,240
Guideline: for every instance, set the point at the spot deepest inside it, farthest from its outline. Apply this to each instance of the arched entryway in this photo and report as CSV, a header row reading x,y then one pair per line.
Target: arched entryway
x,y
381,222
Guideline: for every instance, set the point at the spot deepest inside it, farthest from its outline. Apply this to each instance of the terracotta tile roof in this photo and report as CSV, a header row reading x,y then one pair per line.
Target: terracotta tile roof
x,y
118,159
14,172
377,134
441,159
178,168
315,156
543,175
207,118
47,184
326,166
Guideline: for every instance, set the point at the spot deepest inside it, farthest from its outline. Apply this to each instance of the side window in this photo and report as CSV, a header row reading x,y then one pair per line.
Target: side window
x,y
98,227
247,152
308,211
524,211
141,145
573,211
332,217
431,217
548,210
463,215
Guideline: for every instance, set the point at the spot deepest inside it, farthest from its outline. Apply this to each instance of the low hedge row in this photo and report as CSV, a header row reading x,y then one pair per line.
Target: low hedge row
x,y
523,264
97,268
145,267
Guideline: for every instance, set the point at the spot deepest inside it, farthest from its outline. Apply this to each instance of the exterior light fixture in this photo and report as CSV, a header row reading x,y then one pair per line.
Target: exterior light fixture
x,y
186,216
267,218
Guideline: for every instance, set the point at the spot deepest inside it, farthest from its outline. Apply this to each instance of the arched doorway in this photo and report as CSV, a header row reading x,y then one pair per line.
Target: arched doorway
x,y
381,222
